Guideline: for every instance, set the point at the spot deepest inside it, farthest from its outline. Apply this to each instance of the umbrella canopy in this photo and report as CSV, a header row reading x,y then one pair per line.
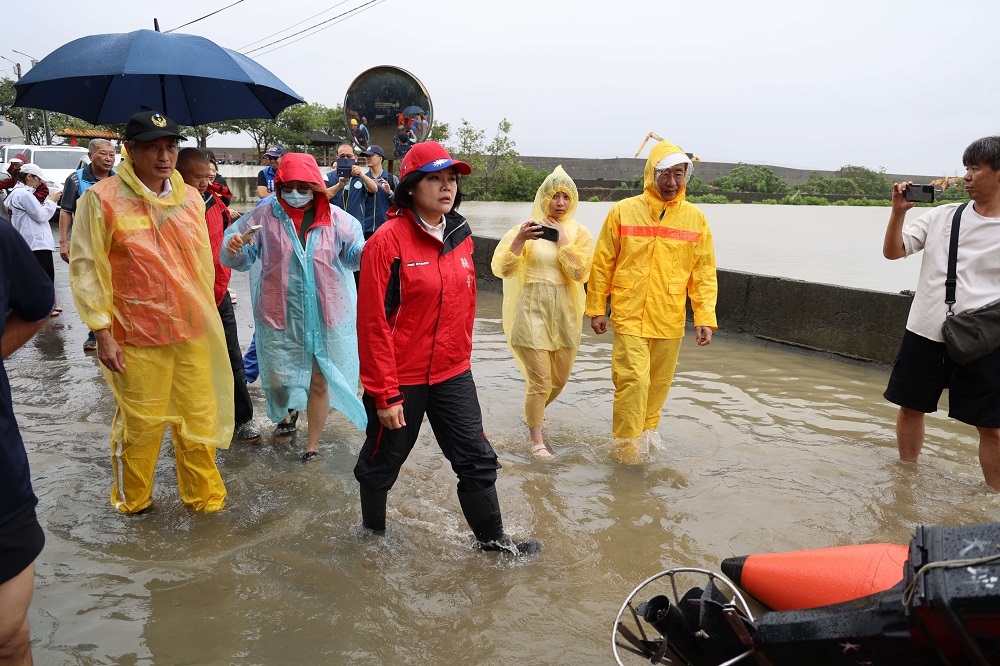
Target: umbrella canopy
x,y
412,111
106,78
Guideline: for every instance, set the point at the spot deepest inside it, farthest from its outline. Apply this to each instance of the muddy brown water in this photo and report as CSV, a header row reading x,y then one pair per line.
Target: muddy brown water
x,y
766,449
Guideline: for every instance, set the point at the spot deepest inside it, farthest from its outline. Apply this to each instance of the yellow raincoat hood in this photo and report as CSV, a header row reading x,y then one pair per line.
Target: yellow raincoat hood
x,y
659,151
557,181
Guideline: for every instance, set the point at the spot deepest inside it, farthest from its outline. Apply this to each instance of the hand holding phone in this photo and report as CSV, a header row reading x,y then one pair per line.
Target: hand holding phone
x,y
919,193
344,167
249,234
548,233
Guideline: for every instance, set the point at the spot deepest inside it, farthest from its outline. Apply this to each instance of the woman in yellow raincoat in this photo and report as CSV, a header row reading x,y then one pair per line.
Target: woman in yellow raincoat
x,y
543,273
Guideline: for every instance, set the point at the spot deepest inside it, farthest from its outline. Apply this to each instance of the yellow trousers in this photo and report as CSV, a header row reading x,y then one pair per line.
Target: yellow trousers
x,y
545,376
161,386
641,370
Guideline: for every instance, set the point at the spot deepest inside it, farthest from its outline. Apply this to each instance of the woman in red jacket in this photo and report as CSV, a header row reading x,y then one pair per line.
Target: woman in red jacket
x,y
416,307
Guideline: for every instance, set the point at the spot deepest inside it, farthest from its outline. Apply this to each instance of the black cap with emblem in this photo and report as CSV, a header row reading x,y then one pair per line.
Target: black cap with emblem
x,y
149,126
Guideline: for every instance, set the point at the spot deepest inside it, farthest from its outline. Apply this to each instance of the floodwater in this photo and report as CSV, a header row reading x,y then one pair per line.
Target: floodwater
x,y
766,448
839,245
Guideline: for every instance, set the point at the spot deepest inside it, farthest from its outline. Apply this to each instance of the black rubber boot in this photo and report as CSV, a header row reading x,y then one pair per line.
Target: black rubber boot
x,y
482,511
373,509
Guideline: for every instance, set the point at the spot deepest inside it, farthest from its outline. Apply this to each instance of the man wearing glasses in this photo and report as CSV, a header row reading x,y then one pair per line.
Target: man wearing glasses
x,y
265,179
654,252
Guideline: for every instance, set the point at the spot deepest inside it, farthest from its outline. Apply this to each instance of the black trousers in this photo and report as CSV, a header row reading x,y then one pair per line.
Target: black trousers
x,y
241,397
452,407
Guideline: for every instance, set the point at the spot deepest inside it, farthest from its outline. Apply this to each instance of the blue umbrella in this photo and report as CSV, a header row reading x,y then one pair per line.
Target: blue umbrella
x,y
412,111
106,78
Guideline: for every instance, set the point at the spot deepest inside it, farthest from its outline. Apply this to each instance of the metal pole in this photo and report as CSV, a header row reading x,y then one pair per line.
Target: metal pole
x,y
45,117
24,111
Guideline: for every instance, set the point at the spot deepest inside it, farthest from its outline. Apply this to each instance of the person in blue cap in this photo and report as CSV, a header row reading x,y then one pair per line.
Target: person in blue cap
x,y
265,179
377,203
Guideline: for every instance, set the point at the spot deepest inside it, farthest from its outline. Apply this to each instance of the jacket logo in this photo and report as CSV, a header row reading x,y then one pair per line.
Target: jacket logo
x,y
418,263
465,263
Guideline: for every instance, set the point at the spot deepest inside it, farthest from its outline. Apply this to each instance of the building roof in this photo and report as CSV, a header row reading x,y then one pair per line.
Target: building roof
x,y
89,133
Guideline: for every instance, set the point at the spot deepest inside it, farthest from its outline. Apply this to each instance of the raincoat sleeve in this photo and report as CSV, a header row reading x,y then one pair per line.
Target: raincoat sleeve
x,y
602,271
506,264
90,265
352,240
248,254
703,286
375,344
576,257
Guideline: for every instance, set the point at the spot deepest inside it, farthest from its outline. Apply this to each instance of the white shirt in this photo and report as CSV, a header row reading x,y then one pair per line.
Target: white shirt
x,y
978,269
435,230
167,189
31,218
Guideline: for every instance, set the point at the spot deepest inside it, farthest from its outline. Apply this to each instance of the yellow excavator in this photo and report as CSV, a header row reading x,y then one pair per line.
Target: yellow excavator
x,y
948,181
654,135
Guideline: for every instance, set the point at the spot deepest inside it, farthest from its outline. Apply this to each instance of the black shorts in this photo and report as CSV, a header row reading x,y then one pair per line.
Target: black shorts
x,y
923,369
21,540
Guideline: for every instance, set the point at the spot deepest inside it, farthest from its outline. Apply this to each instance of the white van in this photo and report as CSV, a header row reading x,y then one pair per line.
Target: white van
x,y
58,162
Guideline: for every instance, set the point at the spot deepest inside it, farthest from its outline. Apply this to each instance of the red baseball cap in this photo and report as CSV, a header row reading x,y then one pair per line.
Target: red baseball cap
x,y
430,156
19,158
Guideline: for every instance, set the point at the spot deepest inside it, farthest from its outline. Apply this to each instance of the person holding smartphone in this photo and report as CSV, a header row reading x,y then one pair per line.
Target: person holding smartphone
x,y
348,192
304,300
377,203
544,263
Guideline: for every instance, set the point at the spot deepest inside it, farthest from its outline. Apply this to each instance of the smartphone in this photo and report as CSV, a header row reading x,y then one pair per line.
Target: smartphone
x,y
548,233
249,234
344,166
919,193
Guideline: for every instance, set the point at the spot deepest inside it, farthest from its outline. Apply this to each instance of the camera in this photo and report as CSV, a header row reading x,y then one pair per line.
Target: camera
x,y
344,166
548,233
919,193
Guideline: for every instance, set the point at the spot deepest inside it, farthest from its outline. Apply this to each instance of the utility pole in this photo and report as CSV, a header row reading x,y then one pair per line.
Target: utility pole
x,y
24,111
45,114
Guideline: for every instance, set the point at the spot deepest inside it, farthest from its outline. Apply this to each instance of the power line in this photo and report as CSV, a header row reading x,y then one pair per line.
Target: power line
x,y
357,10
325,24
204,17
343,2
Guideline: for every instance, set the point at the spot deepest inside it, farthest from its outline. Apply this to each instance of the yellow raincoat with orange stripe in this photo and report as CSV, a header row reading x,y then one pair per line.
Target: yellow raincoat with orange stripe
x,y
141,266
651,256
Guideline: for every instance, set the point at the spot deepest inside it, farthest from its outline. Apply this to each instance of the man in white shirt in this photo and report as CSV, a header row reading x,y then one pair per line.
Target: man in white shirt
x,y
923,369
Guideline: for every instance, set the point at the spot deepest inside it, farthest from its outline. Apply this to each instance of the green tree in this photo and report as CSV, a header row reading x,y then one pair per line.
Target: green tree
x,y
751,178
440,132
870,183
497,173
261,131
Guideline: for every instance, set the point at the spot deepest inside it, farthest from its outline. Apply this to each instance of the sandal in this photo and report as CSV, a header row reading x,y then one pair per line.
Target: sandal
x,y
56,311
310,456
540,452
286,429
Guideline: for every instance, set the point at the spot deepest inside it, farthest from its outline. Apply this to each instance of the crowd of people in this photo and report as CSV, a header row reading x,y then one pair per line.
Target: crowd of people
x,y
151,245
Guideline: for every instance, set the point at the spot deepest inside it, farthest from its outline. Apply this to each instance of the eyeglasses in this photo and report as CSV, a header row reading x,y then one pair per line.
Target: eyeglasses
x,y
287,189
680,174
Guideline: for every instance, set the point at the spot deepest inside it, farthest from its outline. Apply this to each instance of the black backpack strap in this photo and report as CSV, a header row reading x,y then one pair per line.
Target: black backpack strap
x,y
952,278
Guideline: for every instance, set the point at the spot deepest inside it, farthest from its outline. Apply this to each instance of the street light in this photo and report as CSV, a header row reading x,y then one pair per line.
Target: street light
x,y
24,112
45,114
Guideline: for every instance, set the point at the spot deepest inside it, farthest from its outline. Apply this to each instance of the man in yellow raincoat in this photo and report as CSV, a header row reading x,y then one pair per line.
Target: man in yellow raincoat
x,y
141,273
654,251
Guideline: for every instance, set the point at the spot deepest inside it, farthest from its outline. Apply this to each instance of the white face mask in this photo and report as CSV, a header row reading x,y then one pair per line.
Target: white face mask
x,y
297,200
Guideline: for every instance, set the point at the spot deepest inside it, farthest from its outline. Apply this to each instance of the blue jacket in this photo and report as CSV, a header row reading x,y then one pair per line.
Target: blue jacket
x,y
377,203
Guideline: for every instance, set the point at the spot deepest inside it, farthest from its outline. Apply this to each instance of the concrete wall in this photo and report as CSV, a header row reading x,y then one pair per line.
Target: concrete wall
x,y
587,171
855,323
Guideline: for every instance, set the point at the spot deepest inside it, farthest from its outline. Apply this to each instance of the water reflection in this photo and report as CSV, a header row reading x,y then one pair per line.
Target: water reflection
x,y
766,449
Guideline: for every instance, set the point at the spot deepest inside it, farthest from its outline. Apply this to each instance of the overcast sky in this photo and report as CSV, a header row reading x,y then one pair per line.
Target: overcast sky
x,y
811,84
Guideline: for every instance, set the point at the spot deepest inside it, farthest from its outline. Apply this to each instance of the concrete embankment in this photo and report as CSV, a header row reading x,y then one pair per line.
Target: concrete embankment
x,y
855,323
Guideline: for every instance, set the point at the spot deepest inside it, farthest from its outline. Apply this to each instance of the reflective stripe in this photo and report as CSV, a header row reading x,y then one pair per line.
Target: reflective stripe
x,y
661,232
